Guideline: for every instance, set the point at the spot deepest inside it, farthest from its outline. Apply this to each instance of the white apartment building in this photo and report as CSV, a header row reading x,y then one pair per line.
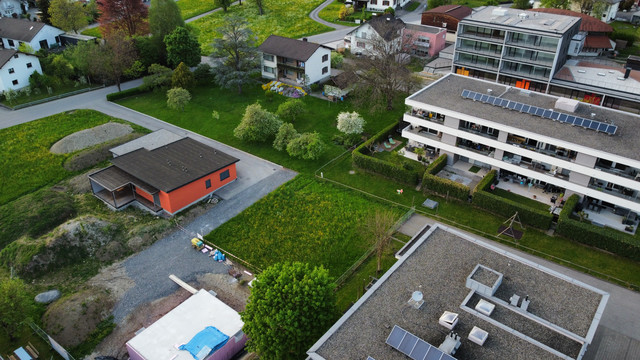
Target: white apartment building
x,y
540,139
290,60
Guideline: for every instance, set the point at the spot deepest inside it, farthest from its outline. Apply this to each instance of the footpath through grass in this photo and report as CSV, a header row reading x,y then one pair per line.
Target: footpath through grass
x,y
288,18
191,8
303,220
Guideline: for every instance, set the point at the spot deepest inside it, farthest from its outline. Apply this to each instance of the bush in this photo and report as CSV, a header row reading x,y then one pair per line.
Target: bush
x,y
629,38
126,93
384,168
159,77
285,134
290,110
257,124
308,146
486,182
203,74
182,77
177,98
445,187
337,60
606,239
350,122
505,207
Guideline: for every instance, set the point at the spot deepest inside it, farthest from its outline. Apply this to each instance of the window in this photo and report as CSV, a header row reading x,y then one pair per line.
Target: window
x,y
10,42
44,44
270,70
29,66
325,69
207,183
267,57
15,82
360,44
373,2
224,175
11,71
385,3
325,57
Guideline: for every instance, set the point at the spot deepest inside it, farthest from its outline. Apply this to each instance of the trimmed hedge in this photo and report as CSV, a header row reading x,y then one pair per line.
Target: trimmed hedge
x,y
505,207
444,187
486,182
126,93
387,169
606,239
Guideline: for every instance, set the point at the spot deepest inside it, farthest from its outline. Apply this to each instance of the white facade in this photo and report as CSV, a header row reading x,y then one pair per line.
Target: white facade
x,y
317,67
46,38
558,160
360,40
10,7
14,74
382,5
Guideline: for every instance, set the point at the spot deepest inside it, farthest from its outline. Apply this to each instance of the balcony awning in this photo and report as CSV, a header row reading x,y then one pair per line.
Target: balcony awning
x,y
113,178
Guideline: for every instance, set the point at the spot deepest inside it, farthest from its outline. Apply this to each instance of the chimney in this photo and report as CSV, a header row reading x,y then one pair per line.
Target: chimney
x,y
627,72
304,39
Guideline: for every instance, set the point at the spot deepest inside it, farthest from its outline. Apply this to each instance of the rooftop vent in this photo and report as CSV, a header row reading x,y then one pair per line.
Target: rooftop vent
x,y
499,12
523,16
416,300
31,28
489,91
627,72
602,74
582,71
567,104
593,115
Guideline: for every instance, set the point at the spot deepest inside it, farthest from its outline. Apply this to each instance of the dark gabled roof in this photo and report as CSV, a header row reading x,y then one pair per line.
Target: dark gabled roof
x,y
174,165
457,11
345,79
289,48
5,55
113,178
588,23
17,29
387,26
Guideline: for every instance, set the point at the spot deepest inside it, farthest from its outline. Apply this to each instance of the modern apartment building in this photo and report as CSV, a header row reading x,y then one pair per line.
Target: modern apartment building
x,y
514,47
536,138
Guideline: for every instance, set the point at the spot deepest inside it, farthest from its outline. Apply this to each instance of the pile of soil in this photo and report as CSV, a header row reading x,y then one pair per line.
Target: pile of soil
x,y
90,137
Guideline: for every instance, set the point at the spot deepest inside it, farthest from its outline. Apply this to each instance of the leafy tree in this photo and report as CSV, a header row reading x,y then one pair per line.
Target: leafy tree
x,y
491,3
92,11
43,5
26,48
556,4
182,77
182,46
236,46
224,4
128,16
61,67
260,8
337,60
351,123
285,134
15,306
113,58
290,110
378,228
159,77
164,17
81,57
308,146
257,124
135,70
627,4
203,74
344,12
68,15
177,98
290,307
150,51
521,4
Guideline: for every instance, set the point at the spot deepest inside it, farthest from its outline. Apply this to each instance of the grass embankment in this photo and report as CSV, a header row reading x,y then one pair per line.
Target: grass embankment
x,y
331,14
320,116
288,18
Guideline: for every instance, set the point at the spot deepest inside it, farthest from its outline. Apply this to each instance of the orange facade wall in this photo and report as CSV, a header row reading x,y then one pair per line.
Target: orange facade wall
x,y
178,199
144,194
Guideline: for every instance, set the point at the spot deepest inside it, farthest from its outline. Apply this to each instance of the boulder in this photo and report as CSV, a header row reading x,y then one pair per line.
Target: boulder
x,y
48,297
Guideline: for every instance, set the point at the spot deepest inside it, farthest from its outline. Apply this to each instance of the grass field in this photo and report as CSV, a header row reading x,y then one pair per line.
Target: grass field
x,y
320,116
330,14
288,18
92,32
628,29
24,151
191,8
520,199
412,6
303,220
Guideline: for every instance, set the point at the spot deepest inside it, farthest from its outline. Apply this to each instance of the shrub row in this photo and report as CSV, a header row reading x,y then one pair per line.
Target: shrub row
x,y
444,187
126,93
387,169
505,207
606,239
486,182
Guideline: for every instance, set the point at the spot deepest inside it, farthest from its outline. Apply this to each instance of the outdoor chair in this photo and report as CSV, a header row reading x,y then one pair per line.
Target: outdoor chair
x,y
387,145
391,141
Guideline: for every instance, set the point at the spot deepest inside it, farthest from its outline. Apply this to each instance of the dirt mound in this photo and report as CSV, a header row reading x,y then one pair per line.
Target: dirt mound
x,y
90,137
113,278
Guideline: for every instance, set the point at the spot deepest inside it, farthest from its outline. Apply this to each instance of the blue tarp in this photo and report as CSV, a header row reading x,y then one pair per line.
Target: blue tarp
x,y
205,342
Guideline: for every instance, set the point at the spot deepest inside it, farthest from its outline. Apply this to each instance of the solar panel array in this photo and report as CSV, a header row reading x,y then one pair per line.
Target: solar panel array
x,y
413,346
544,113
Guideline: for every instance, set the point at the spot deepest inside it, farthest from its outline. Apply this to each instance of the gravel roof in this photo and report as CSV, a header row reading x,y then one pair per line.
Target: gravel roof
x,y
438,267
550,24
446,93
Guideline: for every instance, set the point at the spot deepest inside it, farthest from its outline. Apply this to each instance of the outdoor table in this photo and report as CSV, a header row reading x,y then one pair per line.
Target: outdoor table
x,y
22,354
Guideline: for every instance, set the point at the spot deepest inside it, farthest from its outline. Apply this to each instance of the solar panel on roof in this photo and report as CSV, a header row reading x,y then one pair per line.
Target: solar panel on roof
x,y
419,350
504,103
370,358
413,346
563,117
491,99
594,125
465,93
484,98
497,101
408,343
477,96
396,336
611,129
586,123
603,127
555,115
434,355
525,107
518,107
512,105
532,110
570,119
547,114
578,121
539,111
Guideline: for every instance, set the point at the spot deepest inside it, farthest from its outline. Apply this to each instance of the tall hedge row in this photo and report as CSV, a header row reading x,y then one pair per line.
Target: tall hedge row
x,y
387,169
486,181
606,239
505,207
444,187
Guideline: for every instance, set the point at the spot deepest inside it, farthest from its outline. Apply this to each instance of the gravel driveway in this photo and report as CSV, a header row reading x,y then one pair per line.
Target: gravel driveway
x,y
150,269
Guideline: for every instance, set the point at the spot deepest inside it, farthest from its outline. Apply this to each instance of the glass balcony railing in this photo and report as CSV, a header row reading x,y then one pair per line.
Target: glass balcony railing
x,y
626,194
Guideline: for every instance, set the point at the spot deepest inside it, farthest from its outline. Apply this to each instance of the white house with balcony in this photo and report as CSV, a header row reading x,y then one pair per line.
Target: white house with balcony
x,y
538,140
292,61
38,35
383,30
382,5
15,69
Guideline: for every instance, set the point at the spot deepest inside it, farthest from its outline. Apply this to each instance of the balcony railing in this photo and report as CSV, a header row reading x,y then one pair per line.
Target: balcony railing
x,y
473,50
553,153
480,132
531,44
537,167
527,74
426,115
615,193
418,130
618,172
481,36
528,60
486,66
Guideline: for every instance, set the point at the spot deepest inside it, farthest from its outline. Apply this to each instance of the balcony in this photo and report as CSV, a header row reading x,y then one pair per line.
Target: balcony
x,y
535,166
530,74
294,64
479,131
426,115
420,131
619,172
558,154
482,36
534,44
479,65
475,147
624,193
528,60
481,51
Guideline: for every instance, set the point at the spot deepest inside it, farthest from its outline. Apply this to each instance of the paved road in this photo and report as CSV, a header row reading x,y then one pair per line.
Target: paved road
x,y
618,334
314,16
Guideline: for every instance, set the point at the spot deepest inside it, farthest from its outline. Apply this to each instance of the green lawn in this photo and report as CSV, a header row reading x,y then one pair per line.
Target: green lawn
x,y
288,18
321,117
412,6
520,199
303,220
27,164
60,90
191,8
92,32
330,14
627,29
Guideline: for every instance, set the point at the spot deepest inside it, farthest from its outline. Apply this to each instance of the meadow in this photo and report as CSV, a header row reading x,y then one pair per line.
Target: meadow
x,y
191,8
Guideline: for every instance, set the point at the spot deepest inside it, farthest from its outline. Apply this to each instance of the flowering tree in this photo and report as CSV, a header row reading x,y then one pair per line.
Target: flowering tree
x,y
129,16
351,123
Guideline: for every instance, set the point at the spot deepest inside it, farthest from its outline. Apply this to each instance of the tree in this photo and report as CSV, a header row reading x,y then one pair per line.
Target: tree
x,y
285,134
15,306
257,124
182,46
260,8
182,77
26,48
491,3
112,59
68,15
159,77
521,4
308,146
351,123
81,57
128,16
164,17
556,4
337,60
150,51
43,5
344,12
177,98
224,4
378,228
290,110
240,56
291,305
203,74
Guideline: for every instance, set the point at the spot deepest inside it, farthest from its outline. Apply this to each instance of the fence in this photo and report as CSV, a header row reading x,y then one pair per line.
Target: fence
x,y
41,101
49,340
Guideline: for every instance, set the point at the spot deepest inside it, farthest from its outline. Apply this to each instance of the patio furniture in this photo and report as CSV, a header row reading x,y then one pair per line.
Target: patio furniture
x,y
449,320
22,354
391,141
387,145
478,336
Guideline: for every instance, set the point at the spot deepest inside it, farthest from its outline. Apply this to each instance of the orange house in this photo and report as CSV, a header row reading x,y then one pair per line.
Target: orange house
x,y
166,179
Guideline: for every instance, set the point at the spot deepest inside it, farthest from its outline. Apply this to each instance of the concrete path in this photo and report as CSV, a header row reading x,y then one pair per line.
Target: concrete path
x,y
207,13
314,16
617,336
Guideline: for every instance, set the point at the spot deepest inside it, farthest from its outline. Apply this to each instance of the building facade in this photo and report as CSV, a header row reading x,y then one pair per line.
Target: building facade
x,y
38,35
539,139
292,60
424,40
382,5
16,68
